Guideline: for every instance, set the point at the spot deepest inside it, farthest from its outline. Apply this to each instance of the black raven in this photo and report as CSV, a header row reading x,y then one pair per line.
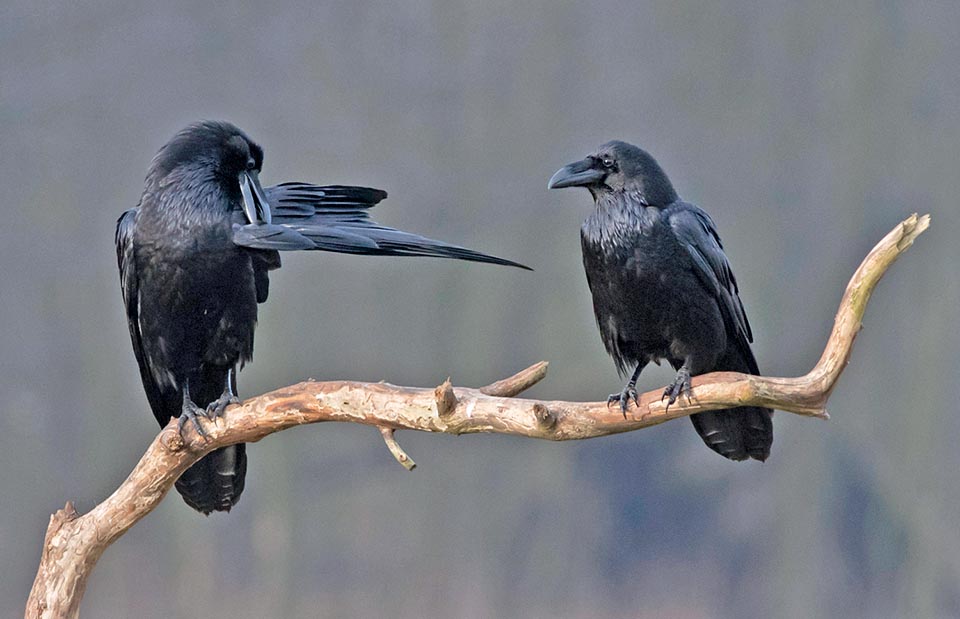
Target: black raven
x,y
663,289
194,257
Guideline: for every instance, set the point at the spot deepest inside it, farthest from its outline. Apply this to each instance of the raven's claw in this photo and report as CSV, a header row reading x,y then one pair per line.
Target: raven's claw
x,y
217,407
191,412
680,385
629,393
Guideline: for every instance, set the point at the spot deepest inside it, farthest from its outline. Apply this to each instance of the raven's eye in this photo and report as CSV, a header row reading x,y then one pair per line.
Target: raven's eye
x,y
251,164
608,162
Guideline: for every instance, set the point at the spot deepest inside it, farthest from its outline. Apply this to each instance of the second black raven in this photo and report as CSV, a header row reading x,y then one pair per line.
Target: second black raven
x,y
194,257
663,289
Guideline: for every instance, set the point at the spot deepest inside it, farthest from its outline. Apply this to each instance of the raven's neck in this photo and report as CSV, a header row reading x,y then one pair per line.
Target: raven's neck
x,y
618,220
187,199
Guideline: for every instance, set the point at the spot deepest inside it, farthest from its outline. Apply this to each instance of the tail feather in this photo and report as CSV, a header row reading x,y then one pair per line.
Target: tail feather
x,y
216,481
757,431
737,433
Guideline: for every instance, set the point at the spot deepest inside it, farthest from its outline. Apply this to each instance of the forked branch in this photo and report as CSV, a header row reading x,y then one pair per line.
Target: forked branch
x,y
74,543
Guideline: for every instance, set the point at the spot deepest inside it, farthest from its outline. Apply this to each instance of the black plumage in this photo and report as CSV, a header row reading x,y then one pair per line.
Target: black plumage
x,y
194,258
663,289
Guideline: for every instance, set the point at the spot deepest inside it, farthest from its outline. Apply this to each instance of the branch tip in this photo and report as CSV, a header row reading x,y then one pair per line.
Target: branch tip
x,y
69,513
911,228
395,449
69,510
518,383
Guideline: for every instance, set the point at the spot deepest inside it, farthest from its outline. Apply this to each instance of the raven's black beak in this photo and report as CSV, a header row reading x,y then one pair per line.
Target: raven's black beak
x,y
255,204
577,174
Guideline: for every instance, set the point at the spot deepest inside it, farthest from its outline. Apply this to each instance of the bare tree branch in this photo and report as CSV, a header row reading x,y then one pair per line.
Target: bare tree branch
x,y
74,543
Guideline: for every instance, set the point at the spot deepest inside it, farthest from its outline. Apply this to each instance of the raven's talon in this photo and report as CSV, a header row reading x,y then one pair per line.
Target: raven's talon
x,y
629,393
219,406
191,413
681,385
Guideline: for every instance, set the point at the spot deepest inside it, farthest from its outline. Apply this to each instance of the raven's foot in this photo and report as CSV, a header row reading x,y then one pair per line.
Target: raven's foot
x,y
629,393
191,412
215,409
680,385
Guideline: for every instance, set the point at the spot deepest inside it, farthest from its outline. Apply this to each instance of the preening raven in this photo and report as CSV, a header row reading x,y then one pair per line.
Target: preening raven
x,y
663,289
194,257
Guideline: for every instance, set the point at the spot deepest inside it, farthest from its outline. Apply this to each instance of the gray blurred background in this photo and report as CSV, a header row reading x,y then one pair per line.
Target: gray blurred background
x,y
807,132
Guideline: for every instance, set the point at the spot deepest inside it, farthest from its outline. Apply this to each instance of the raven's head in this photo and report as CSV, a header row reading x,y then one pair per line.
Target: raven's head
x,y
618,167
217,149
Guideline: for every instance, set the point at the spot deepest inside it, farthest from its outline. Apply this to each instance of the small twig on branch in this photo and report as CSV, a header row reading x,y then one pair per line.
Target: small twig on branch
x,y
74,543
396,449
518,383
446,399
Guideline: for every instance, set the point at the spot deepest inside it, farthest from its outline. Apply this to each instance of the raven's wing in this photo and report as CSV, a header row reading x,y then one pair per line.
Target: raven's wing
x,y
698,235
734,433
130,287
336,218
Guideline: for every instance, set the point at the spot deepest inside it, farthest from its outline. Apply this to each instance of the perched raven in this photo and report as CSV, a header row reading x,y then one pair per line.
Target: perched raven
x,y
663,289
194,257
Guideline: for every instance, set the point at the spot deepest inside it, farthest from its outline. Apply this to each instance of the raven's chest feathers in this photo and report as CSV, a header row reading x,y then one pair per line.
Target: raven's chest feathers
x,y
630,257
622,238
197,292
186,256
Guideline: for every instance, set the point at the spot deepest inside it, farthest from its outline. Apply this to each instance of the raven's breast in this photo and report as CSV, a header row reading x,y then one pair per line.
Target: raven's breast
x,y
634,274
198,307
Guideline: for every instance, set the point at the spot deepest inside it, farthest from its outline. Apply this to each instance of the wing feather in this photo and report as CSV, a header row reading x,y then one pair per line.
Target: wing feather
x,y
698,235
130,287
336,218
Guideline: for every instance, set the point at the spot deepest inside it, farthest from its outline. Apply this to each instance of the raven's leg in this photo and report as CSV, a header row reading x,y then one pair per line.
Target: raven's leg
x,y
680,385
215,409
190,411
629,391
